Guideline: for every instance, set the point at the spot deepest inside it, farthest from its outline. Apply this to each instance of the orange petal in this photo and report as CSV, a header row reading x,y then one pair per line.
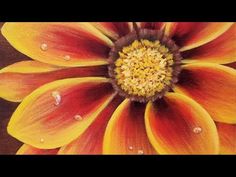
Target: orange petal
x,y
178,125
125,133
29,150
29,66
90,142
189,35
213,86
221,50
151,25
170,28
63,44
57,113
20,79
115,30
227,134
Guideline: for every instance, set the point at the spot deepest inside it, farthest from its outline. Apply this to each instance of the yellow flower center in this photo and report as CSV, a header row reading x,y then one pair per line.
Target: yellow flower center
x,y
144,65
144,68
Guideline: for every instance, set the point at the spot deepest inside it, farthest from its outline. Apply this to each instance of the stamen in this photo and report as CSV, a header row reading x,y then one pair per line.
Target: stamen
x,y
144,69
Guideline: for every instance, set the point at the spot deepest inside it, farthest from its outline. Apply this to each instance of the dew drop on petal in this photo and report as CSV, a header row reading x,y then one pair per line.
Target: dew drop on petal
x,y
67,57
56,95
140,151
131,148
197,130
44,47
78,117
41,140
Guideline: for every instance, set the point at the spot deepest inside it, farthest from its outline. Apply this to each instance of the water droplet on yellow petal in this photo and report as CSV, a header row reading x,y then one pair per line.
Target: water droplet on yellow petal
x,y
44,47
56,95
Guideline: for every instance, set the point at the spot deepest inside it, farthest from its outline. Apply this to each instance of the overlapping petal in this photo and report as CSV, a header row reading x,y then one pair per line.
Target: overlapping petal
x,y
189,35
213,86
115,30
227,135
221,50
63,44
178,125
125,132
58,112
20,79
29,150
91,141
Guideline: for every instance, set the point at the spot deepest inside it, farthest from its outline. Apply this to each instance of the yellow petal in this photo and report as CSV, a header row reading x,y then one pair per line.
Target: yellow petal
x,y
63,44
213,86
227,134
179,125
125,132
29,150
20,79
90,142
57,113
221,50
189,35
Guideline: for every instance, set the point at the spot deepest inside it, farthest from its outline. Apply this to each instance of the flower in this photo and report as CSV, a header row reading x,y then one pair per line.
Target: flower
x,y
122,88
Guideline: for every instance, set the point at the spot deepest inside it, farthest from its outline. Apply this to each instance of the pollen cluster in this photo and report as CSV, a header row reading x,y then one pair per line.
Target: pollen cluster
x,y
144,68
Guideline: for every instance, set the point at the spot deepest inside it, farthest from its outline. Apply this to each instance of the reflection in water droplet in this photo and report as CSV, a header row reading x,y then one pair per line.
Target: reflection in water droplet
x,y
44,47
56,95
197,130
140,151
67,57
78,117
131,148
41,140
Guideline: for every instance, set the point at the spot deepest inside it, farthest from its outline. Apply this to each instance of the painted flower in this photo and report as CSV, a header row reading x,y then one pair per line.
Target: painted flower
x,y
122,88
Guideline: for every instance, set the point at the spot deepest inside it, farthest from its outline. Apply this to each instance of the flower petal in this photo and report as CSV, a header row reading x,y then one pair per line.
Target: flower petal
x,y
57,113
178,125
29,150
115,30
213,86
90,142
63,44
29,66
125,132
227,134
190,35
221,50
20,79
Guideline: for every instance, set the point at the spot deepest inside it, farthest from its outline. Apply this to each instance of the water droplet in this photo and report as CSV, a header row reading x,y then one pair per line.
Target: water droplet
x,y
56,95
67,57
197,130
44,47
131,148
78,117
140,151
41,140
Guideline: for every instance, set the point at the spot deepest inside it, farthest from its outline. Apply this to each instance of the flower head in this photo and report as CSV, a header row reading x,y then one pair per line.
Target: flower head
x,y
122,88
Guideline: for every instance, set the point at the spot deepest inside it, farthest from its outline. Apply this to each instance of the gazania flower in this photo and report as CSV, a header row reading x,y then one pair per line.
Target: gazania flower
x,y
122,88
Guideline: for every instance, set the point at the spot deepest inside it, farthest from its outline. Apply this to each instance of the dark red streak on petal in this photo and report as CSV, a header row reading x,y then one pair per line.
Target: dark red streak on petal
x,y
80,43
80,100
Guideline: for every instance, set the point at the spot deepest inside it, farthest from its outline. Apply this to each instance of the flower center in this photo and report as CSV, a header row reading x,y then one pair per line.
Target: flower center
x,y
144,65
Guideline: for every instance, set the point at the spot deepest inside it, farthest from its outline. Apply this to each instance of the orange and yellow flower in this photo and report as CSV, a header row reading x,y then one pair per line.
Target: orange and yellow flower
x,y
88,89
